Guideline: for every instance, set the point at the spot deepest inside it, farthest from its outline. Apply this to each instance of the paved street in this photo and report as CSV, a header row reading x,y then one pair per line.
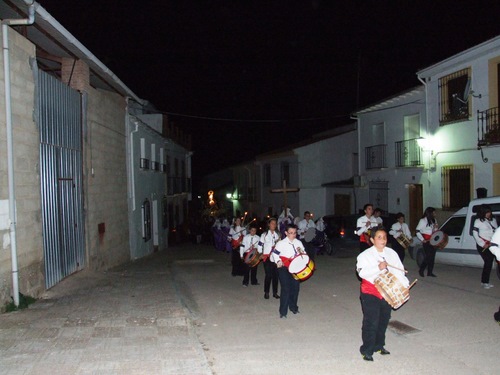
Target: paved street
x,y
181,312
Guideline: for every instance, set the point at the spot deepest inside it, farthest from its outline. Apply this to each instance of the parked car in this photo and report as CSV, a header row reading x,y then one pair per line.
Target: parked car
x,y
461,248
341,230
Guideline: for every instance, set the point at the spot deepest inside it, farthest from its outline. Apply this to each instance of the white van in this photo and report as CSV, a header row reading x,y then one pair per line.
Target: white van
x,y
461,248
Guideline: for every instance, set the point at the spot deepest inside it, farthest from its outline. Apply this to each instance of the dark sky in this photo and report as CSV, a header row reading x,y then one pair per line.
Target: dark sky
x,y
269,60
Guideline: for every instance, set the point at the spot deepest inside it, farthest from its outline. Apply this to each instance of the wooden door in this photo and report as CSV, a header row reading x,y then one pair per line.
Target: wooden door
x,y
415,206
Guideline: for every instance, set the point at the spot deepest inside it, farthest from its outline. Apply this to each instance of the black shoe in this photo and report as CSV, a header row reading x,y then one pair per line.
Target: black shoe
x,y
245,285
431,275
257,283
383,351
421,273
282,316
367,357
296,311
276,295
266,295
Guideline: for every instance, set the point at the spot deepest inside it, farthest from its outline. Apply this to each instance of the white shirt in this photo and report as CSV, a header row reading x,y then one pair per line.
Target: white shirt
x,y
287,249
368,261
267,241
495,244
248,242
236,232
423,227
361,224
398,229
303,226
483,230
320,225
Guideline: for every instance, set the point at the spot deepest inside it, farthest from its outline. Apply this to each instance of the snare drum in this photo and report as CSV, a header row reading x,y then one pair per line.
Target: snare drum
x,y
392,290
236,243
439,239
252,257
301,267
403,241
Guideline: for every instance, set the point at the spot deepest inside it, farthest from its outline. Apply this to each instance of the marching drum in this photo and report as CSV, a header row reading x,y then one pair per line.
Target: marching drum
x,y
236,243
392,290
403,241
439,239
301,267
314,236
252,257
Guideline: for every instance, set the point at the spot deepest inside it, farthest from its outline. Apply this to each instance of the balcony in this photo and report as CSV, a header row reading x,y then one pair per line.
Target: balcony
x,y
488,127
375,157
408,153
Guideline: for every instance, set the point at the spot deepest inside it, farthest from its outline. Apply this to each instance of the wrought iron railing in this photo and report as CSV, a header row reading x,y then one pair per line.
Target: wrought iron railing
x,y
408,153
375,157
488,127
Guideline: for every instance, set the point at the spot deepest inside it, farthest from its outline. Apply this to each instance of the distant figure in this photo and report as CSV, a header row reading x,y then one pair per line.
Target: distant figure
x,y
400,234
304,225
250,243
236,235
267,244
425,227
320,224
484,227
364,226
376,214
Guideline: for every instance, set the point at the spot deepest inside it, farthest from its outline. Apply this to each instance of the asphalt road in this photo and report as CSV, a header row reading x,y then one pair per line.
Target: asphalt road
x,y
446,327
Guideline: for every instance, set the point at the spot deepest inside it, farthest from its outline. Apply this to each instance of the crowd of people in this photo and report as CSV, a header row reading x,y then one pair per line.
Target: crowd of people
x,y
382,253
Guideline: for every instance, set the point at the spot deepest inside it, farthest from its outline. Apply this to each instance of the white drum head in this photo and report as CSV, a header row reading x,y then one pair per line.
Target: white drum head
x,y
310,234
298,263
436,238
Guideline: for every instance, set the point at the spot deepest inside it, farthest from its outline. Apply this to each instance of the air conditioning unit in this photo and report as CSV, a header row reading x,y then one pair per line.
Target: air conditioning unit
x,y
359,180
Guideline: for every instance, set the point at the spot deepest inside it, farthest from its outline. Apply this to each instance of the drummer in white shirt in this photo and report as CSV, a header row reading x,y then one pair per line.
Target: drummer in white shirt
x,y
303,226
249,243
284,252
399,229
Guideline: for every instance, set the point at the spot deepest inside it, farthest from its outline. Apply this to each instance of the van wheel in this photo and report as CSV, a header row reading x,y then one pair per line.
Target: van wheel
x,y
420,256
329,248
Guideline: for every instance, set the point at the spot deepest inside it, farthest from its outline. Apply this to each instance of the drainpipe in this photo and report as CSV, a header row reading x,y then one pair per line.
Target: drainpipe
x,y
10,143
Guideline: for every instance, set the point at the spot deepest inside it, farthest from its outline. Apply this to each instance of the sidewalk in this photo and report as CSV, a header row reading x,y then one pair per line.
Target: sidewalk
x,y
128,321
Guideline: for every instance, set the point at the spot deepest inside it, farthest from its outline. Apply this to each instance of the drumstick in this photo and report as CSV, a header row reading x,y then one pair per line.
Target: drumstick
x,y
413,283
397,268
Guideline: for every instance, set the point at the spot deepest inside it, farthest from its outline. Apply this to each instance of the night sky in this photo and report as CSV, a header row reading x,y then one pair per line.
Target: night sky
x,y
292,67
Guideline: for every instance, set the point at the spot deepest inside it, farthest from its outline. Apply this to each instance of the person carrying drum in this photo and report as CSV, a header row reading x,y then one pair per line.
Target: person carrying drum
x,y
495,250
250,243
401,236
484,227
364,226
236,234
267,243
425,227
286,250
303,226
371,263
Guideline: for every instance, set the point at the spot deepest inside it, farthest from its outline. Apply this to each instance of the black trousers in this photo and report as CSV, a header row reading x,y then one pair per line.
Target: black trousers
x,y
488,259
430,255
309,248
400,250
271,276
238,267
289,291
376,316
250,273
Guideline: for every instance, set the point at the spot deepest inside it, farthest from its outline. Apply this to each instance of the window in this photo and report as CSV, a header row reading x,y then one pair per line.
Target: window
x,y
146,220
267,175
378,136
285,172
454,227
454,104
144,161
412,126
456,186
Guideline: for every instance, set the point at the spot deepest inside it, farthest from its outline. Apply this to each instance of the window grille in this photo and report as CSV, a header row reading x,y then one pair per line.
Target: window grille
x,y
146,220
457,185
454,103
